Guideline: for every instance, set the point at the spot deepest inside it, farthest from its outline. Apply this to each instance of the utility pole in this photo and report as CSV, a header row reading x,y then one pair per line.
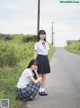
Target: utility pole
x,y
52,33
38,17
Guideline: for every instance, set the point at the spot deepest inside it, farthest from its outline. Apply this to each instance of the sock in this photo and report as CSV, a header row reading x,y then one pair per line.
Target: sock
x,y
41,90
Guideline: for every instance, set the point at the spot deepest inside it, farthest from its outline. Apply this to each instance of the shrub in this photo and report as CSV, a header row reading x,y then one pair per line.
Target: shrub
x,y
7,55
29,38
7,37
1,35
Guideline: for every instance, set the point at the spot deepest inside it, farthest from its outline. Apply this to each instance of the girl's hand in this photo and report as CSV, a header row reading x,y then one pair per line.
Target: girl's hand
x,y
36,71
37,75
40,78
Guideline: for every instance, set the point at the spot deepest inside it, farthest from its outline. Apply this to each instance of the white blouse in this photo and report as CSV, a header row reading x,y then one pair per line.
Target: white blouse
x,y
41,47
24,78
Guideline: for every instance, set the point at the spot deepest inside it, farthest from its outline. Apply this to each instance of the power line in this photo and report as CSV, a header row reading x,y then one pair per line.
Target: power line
x,y
44,15
35,2
41,15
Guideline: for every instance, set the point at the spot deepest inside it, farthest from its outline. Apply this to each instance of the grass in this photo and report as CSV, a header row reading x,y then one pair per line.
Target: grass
x,y
51,51
74,48
9,75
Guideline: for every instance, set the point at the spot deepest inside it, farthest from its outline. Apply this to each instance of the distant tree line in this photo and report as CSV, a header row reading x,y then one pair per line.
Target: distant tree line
x,y
5,36
26,38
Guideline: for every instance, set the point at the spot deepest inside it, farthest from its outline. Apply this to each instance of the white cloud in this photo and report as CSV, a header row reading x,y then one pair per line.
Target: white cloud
x,y
18,26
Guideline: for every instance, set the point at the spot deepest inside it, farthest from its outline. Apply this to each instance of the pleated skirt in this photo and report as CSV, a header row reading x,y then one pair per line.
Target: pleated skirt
x,y
29,92
43,62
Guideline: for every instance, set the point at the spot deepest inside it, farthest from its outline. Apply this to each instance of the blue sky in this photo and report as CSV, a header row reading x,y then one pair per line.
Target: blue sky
x,y
20,16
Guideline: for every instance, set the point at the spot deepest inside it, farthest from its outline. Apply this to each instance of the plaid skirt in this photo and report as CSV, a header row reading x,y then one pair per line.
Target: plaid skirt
x,y
29,92
43,63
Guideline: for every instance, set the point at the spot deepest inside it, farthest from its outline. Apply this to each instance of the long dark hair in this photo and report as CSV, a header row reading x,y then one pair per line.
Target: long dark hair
x,y
33,62
41,32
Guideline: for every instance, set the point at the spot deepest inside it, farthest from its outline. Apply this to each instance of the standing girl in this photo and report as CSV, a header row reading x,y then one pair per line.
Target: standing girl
x,y
41,54
27,85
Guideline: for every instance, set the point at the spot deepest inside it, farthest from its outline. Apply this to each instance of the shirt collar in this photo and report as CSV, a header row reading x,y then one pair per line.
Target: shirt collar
x,y
41,41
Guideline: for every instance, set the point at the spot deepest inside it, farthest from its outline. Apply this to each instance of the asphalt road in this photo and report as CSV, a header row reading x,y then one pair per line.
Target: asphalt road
x,y
63,83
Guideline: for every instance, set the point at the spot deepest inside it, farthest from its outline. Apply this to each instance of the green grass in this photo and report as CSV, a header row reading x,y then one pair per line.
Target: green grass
x,y
74,48
9,75
51,51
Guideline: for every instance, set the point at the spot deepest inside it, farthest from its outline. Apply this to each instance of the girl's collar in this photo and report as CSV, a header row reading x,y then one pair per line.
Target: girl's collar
x,y
42,41
30,69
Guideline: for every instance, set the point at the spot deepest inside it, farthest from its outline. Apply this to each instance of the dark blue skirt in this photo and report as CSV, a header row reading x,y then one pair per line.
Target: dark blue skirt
x,y
43,62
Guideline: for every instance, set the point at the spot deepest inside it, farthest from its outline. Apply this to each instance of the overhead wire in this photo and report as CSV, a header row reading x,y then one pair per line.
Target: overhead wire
x,y
44,14
35,3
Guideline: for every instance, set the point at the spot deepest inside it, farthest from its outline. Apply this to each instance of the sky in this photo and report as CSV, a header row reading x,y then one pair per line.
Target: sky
x,y
20,16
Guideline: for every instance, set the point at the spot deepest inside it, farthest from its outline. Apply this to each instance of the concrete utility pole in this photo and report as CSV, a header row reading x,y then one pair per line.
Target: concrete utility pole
x,y
52,32
38,17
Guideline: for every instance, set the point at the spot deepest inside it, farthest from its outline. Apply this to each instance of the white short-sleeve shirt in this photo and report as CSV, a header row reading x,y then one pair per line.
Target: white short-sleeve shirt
x,y
24,78
40,49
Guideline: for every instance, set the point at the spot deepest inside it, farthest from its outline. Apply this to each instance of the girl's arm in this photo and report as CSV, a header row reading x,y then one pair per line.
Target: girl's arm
x,y
35,81
35,54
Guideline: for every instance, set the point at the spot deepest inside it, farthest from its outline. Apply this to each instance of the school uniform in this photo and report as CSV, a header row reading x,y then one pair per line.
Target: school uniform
x,y
27,90
42,48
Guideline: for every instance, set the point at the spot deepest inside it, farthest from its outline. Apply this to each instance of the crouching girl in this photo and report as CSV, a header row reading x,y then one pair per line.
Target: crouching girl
x,y
29,82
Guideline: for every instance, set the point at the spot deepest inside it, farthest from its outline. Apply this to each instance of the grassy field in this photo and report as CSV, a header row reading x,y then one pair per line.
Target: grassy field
x,y
74,48
14,58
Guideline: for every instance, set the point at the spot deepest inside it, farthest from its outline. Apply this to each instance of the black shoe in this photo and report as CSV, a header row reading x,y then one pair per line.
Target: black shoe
x,y
29,99
43,94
